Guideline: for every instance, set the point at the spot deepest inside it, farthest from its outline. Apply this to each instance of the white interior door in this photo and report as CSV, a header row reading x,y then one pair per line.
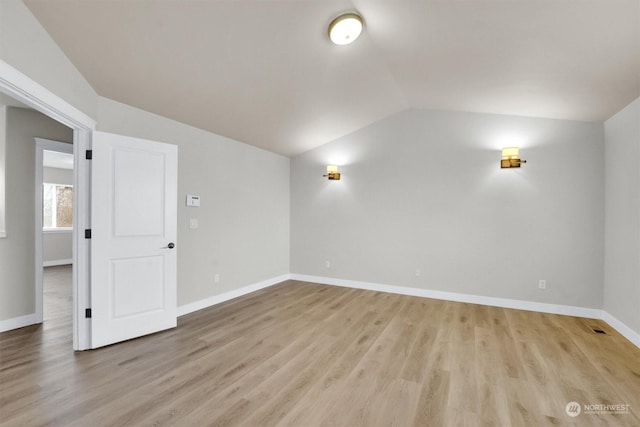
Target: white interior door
x,y
133,237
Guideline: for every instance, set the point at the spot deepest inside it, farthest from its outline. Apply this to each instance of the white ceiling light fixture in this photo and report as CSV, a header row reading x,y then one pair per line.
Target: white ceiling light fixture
x,y
345,28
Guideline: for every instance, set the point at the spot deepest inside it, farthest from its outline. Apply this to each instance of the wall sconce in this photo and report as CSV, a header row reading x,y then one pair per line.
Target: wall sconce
x,y
332,173
511,158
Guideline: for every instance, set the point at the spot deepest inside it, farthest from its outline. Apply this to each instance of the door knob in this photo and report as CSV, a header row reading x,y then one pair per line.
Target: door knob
x,y
170,246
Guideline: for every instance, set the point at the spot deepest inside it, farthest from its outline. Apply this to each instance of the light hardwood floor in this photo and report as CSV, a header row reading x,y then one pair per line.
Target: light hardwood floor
x,y
303,354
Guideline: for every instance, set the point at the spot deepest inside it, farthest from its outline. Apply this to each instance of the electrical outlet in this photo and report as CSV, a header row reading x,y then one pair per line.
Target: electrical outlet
x,y
216,278
542,284
327,264
417,272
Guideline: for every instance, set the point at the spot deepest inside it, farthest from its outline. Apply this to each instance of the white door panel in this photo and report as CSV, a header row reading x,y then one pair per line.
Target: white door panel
x,y
134,219
136,190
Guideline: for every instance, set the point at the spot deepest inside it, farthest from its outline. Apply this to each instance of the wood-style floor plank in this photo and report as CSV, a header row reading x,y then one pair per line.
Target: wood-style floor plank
x,y
303,354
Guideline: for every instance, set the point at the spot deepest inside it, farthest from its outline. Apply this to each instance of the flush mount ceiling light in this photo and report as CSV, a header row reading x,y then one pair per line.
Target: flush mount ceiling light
x,y
345,28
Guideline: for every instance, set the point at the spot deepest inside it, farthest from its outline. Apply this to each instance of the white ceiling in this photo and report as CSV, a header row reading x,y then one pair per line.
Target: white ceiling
x,y
264,72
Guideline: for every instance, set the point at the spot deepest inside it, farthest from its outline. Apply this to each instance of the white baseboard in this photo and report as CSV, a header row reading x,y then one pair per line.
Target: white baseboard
x,y
19,322
591,313
217,299
624,330
57,262
452,296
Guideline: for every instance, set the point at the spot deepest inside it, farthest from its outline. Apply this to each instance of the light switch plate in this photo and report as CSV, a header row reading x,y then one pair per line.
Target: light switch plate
x,y
193,223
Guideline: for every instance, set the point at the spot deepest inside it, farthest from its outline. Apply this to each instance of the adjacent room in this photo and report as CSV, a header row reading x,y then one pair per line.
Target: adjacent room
x,y
309,213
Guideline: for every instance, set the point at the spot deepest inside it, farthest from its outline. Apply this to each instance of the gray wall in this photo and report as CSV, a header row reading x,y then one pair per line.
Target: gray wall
x,y
26,46
17,251
423,190
57,245
57,176
3,114
244,213
622,260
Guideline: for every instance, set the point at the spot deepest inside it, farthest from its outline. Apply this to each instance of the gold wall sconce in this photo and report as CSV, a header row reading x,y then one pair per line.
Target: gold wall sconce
x,y
332,173
511,158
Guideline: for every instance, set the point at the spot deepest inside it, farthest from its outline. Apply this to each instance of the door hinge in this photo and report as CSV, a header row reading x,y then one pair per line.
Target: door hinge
x,y
87,234
89,155
87,313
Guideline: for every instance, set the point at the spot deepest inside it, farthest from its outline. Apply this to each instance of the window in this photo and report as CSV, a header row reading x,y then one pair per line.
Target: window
x,y
57,206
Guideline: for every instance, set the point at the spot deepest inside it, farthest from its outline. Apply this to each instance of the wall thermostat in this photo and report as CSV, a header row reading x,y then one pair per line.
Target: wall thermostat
x,y
193,200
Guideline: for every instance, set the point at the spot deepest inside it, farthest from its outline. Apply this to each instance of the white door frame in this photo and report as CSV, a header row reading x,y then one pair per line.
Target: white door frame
x,y
31,93
42,145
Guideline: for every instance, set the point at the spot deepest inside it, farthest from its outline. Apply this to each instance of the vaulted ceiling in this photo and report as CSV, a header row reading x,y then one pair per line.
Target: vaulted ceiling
x,y
265,73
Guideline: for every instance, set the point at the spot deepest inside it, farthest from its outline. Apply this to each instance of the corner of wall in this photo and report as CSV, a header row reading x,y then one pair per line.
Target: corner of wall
x,y
622,218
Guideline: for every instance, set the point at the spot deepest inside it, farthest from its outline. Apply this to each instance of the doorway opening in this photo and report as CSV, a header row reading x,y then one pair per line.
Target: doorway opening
x,y
57,297
54,188
25,90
